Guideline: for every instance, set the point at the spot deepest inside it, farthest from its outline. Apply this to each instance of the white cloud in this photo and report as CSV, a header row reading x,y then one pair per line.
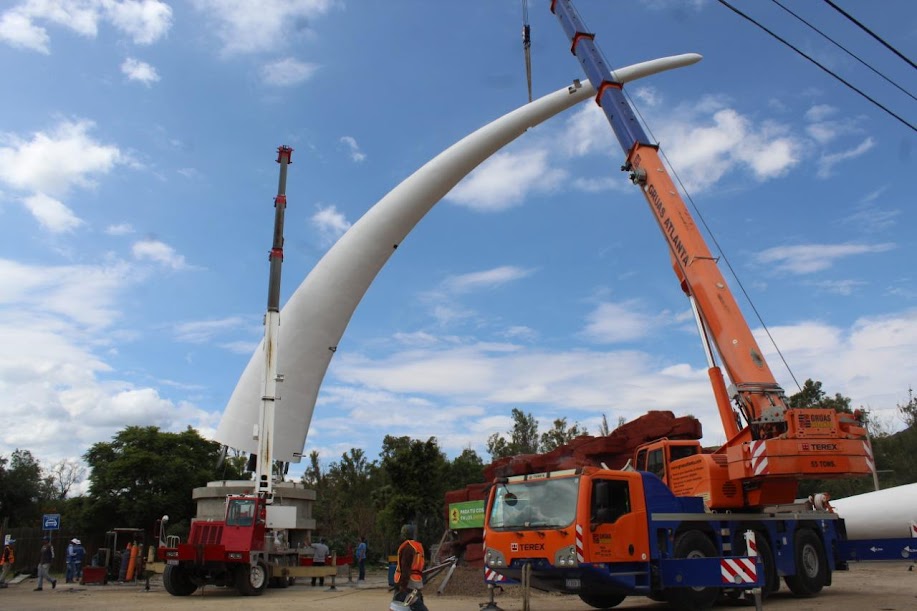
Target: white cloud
x,y
248,27
56,161
330,224
618,322
136,70
120,229
287,72
51,213
506,179
810,258
486,279
80,293
820,112
17,30
587,132
703,148
840,287
355,153
144,21
202,331
159,252
827,162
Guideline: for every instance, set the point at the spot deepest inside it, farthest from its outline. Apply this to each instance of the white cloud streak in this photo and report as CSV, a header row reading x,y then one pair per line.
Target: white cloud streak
x,y
143,21
506,179
330,224
811,258
142,72
287,72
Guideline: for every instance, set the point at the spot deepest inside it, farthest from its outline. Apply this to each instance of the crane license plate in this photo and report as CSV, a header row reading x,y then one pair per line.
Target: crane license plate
x,y
572,584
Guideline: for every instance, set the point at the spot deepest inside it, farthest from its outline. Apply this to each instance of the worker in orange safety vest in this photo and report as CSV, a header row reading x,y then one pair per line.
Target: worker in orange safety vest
x,y
7,559
409,571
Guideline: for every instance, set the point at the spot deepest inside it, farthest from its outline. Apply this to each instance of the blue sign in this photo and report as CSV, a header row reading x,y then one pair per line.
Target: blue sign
x,y
50,521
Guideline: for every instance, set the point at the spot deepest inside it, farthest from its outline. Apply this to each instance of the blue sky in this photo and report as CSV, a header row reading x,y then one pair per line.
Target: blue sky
x,y
137,175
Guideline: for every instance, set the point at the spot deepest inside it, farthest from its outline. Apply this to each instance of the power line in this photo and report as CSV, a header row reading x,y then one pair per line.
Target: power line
x,y
836,76
868,31
842,48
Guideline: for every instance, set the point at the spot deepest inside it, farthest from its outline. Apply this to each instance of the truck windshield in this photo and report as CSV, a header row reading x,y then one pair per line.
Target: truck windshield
x,y
544,503
241,512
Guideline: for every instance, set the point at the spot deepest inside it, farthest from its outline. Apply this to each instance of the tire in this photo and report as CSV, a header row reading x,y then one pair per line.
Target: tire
x,y
811,565
693,544
252,580
602,601
771,578
177,581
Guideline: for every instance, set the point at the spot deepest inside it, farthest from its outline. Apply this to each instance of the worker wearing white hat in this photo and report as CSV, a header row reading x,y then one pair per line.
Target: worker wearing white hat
x,y
75,554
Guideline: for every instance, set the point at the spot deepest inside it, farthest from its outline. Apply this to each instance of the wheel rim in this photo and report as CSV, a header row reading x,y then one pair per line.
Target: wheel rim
x,y
257,576
696,554
810,560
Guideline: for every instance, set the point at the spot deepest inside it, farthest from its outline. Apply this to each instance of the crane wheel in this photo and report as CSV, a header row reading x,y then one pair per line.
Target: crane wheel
x,y
252,580
693,544
177,582
603,601
811,565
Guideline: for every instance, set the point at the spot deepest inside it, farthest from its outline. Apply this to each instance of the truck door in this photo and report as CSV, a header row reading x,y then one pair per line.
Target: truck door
x,y
610,501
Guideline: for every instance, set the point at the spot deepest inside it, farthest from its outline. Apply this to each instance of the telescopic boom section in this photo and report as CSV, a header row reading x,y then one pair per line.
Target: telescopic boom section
x,y
264,472
760,400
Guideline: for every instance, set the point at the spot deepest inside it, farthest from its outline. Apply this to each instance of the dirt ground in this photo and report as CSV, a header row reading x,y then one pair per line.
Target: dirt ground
x,y
866,587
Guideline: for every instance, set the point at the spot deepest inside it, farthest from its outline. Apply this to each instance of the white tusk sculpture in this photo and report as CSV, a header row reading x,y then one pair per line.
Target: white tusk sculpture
x,y
314,319
882,514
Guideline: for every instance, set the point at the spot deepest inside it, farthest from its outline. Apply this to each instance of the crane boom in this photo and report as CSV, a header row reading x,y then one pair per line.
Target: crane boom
x,y
778,445
264,475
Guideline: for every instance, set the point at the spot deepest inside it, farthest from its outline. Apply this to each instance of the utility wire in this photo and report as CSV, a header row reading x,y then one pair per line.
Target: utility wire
x,y
703,221
868,31
842,48
744,16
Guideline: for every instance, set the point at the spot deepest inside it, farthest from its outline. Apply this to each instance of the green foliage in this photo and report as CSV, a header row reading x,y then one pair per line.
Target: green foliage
x,y
561,434
812,395
145,473
908,411
466,468
24,489
523,438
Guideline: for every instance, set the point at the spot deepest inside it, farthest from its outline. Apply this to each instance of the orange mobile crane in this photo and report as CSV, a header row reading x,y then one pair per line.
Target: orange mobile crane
x,y
676,528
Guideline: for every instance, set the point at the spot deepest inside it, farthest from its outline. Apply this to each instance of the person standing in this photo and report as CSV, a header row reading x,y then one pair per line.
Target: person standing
x,y
75,554
320,552
409,571
6,562
45,557
361,559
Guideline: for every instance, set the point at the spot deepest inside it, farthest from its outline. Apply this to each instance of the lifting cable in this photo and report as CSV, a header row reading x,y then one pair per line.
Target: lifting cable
x,y
527,45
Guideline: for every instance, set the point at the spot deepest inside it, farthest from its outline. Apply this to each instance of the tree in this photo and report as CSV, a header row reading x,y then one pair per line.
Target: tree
x,y
466,468
908,411
23,489
812,395
64,474
561,434
523,437
413,473
144,473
